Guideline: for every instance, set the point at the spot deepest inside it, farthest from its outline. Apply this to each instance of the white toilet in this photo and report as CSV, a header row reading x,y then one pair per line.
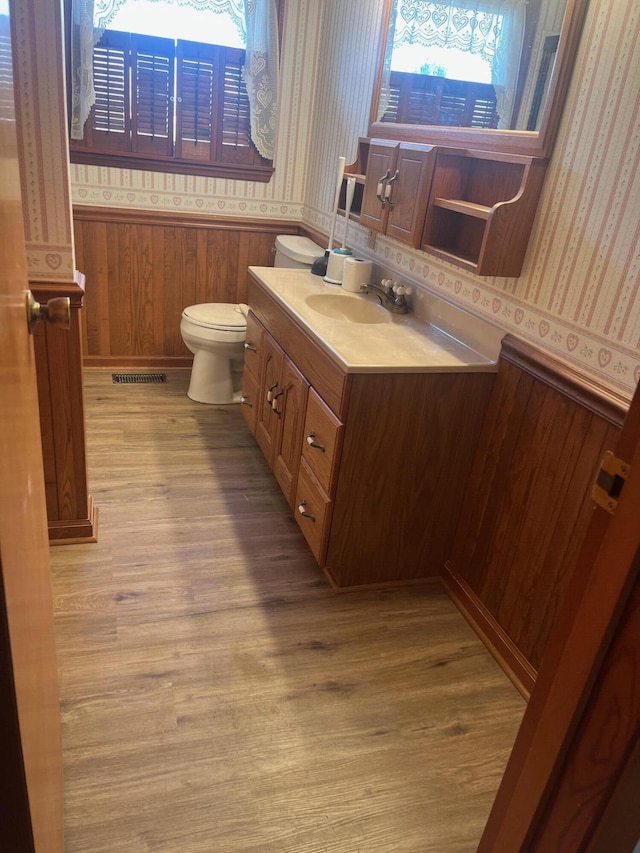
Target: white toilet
x,y
215,332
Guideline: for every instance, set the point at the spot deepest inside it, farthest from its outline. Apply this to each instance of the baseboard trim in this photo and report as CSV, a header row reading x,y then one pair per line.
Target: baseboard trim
x,y
151,361
392,584
75,531
497,641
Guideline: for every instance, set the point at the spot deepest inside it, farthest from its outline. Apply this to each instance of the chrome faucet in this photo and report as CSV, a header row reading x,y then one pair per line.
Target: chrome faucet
x,y
391,295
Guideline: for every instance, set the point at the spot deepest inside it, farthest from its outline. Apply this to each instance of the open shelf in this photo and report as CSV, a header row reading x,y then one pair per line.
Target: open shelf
x,y
481,209
469,208
356,205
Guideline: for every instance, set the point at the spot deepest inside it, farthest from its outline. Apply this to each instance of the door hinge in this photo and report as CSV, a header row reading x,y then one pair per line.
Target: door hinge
x,y
610,481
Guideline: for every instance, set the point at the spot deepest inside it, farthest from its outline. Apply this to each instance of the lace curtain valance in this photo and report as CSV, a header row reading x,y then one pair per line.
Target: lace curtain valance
x,y
106,10
256,21
493,29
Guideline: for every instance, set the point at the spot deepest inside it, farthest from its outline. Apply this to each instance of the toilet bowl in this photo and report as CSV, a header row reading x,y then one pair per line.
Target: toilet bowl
x,y
215,332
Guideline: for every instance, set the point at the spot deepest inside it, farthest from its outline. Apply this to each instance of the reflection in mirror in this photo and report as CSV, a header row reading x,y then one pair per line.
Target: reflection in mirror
x,y
469,63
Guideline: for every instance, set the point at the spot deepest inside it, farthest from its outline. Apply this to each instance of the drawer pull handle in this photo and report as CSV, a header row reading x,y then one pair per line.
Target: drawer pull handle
x,y
244,401
270,391
313,443
302,511
250,346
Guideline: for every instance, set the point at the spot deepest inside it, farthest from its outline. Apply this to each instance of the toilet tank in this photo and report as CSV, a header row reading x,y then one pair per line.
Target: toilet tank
x,y
295,251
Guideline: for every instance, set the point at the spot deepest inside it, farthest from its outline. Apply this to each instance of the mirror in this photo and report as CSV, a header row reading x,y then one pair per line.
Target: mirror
x,y
488,74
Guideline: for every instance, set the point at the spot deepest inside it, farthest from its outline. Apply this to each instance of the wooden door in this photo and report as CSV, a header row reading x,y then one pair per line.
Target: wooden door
x,y
572,759
410,187
31,819
290,410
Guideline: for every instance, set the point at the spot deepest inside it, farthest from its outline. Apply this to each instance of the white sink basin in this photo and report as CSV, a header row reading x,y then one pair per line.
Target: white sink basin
x,y
351,309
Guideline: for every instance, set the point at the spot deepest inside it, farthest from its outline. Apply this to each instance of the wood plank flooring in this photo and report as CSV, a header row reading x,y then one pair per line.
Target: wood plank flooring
x,y
218,697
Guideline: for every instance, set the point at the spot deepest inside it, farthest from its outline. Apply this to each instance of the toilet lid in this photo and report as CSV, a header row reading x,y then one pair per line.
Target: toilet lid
x,y
218,315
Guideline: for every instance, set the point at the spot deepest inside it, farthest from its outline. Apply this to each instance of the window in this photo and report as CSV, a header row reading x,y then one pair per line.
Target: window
x,y
170,104
476,45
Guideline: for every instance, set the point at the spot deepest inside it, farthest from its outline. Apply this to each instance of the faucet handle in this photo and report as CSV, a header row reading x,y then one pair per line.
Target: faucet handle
x,y
402,289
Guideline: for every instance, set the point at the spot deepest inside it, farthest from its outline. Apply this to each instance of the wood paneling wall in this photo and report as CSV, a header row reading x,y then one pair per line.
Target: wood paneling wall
x,y
528,503
71,515
144,267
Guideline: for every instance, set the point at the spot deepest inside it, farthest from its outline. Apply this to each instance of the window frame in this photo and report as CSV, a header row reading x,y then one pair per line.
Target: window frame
x,y
82,153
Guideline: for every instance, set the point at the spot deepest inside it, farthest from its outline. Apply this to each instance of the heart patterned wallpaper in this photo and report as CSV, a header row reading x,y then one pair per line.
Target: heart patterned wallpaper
x,y
578,296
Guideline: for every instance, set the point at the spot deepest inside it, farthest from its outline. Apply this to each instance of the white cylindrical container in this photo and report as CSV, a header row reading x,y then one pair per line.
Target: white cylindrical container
x,y
335,265
356,271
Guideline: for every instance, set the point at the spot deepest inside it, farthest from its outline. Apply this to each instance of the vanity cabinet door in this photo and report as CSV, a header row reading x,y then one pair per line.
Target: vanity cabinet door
x,y
267,425
253,346
312,512
290,402
250,400
322,441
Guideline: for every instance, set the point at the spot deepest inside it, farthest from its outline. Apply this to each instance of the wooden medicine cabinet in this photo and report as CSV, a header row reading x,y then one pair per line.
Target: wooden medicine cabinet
x,y
474,209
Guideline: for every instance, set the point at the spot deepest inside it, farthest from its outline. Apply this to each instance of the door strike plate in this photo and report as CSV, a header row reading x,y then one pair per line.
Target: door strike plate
x,y
610,482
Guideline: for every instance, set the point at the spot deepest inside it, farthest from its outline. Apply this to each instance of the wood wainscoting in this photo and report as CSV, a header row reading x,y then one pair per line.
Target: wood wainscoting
x,y
144,267
71,515
528,503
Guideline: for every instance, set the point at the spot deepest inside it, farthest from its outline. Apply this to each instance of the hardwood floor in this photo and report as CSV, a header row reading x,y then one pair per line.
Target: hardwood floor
x,y
218,697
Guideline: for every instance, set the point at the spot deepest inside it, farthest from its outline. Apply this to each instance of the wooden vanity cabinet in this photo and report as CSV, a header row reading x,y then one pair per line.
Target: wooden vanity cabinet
x,y
396,190
378,462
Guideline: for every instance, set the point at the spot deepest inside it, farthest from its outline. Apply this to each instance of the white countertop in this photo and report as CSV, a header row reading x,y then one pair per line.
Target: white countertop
x,y
403,344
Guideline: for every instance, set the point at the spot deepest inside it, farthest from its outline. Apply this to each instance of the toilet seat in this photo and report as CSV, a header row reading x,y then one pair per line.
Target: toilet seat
x,y
223,316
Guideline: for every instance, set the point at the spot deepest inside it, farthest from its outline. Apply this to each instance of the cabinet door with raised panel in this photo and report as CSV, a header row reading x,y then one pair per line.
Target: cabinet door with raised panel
x,y
267,424
253,347
250,400
381,165
408,189
290,403
251,396
322,441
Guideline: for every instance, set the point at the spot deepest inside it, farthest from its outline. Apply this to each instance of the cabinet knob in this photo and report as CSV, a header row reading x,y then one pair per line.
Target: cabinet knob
x,y
248,345
302,511
312,443
244,401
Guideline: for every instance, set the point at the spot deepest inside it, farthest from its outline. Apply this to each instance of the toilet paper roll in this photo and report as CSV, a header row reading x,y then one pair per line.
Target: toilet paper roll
x,y
356,271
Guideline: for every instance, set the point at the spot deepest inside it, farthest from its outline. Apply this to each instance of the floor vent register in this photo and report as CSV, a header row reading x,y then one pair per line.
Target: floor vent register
x,y
138,378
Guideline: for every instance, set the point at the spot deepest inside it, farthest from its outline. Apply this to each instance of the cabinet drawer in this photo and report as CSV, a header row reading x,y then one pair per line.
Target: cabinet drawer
x,y
322,441
311,500
252,347
249,401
